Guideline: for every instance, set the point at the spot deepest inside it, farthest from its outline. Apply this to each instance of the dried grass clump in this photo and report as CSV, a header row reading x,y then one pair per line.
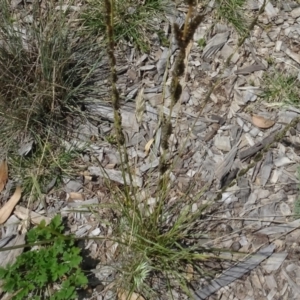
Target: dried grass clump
x,y
40,79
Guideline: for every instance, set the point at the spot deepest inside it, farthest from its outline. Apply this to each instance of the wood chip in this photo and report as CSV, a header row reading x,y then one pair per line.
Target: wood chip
x,y
266,168
257,147
116,175
274,261
224,167
215,44
250,69
3,174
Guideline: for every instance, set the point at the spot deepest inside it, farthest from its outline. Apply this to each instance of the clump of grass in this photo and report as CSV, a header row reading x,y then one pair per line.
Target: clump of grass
x,y
133,21
281,89
40,75
43,169
232,12
45,73
201,43
152,237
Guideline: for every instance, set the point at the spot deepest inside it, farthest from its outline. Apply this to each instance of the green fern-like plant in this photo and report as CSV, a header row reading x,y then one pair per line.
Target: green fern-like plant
x,y
35,271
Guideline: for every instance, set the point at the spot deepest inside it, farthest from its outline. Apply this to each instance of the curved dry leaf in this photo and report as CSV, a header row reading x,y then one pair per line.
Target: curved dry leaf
x,y
148,146
261,122
3,174
9,206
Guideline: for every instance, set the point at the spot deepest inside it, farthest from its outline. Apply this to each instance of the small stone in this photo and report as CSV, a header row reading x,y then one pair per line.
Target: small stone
x,y
236,246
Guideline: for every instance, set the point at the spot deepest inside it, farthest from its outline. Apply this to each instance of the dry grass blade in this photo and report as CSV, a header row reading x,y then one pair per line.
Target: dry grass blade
x,y
148,146
140,106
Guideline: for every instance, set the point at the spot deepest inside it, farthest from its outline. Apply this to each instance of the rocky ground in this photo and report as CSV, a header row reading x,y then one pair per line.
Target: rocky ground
x,y
231,110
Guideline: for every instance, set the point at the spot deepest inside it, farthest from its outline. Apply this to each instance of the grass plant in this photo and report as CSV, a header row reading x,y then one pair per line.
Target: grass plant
x,y
44,76
36,86
152,238
281,89
232,12
47,163
134,21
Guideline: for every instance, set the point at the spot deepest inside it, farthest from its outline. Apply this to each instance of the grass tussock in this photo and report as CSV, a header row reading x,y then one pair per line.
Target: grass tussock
x,y
281,89
232,11
134,21
43,169
40,76
44,74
